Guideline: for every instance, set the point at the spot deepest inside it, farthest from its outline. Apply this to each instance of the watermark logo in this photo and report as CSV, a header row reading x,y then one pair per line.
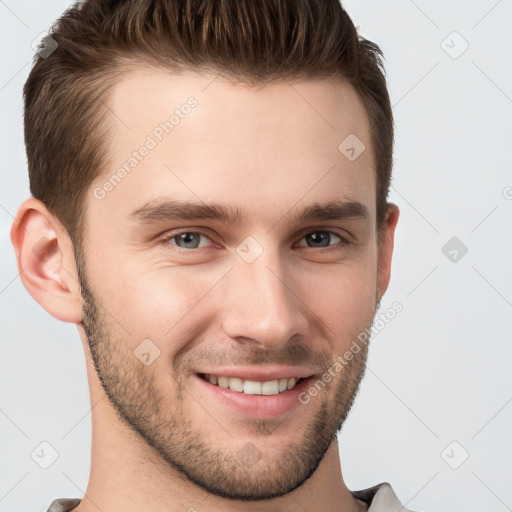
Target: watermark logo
x,y
362,339
455,455
44,455
352,147
249,250
44,45
146,352
454,45
249,454
41,249
153,139
454,249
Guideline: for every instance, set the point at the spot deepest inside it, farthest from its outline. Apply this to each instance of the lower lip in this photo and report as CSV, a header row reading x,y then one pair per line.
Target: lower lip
x,y
257,406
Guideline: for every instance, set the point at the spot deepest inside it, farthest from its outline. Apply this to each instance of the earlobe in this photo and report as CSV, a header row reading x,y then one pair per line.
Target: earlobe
x,y
385,252
45,259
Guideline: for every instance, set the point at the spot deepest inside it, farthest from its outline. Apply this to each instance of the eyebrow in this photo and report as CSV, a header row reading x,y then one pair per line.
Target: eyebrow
x,y
160,210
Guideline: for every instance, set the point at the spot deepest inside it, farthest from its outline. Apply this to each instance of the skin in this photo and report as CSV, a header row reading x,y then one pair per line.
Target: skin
x,y
161,441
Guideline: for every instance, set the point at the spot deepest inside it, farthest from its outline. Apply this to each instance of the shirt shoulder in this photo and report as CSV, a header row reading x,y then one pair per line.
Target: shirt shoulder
x,y
63,505
381,498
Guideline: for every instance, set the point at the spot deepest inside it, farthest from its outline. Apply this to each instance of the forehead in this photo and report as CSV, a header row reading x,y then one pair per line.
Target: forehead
x,y
201,137
146,95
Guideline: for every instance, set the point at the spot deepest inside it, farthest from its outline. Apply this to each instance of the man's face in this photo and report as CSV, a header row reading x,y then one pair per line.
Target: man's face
x,y
171,299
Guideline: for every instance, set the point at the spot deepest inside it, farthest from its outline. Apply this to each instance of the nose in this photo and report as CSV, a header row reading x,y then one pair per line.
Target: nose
x,y
262,306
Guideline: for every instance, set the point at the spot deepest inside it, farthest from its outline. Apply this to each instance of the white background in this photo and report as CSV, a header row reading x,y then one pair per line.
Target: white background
x,y
438,373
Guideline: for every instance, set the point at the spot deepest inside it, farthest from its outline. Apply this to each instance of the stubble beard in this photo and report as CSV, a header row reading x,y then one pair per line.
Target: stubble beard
x,y
179,443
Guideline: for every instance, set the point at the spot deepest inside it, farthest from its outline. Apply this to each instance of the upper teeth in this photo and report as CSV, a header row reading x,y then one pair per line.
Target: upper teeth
x,y
253,387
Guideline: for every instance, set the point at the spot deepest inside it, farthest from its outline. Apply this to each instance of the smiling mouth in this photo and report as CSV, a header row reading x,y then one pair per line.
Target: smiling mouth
x,y
252,387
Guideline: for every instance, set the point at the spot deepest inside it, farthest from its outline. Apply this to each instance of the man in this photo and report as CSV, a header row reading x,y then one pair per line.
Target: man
x,y
209,184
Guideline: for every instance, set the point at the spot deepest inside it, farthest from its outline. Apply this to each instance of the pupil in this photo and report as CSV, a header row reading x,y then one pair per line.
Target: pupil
x,y
186,238
316,238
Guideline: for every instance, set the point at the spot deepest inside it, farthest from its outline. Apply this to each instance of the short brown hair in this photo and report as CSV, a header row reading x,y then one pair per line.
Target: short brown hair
x,y
256,41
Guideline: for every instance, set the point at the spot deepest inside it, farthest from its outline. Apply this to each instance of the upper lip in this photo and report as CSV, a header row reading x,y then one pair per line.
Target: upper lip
x,y
259,373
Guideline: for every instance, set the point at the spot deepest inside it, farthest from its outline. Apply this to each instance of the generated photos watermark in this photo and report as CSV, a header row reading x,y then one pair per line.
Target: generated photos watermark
x,y
153,139
363,338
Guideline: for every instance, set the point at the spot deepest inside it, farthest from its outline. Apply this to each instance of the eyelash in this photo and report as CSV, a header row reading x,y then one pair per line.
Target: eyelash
x,y
339,246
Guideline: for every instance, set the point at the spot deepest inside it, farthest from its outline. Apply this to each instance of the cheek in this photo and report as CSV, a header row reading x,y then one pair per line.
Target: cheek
x,y
172,305
160,303
343,297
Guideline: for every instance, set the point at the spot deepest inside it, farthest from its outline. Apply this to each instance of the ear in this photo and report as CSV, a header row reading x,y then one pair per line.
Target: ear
x,y
46,263
385,251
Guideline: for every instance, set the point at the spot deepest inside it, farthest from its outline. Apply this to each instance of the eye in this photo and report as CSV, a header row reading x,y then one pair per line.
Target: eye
x,y
321,239
190,240
187,239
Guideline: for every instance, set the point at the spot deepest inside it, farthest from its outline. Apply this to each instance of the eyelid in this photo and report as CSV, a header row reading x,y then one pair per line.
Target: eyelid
x,y
167,237
344,235
345,240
